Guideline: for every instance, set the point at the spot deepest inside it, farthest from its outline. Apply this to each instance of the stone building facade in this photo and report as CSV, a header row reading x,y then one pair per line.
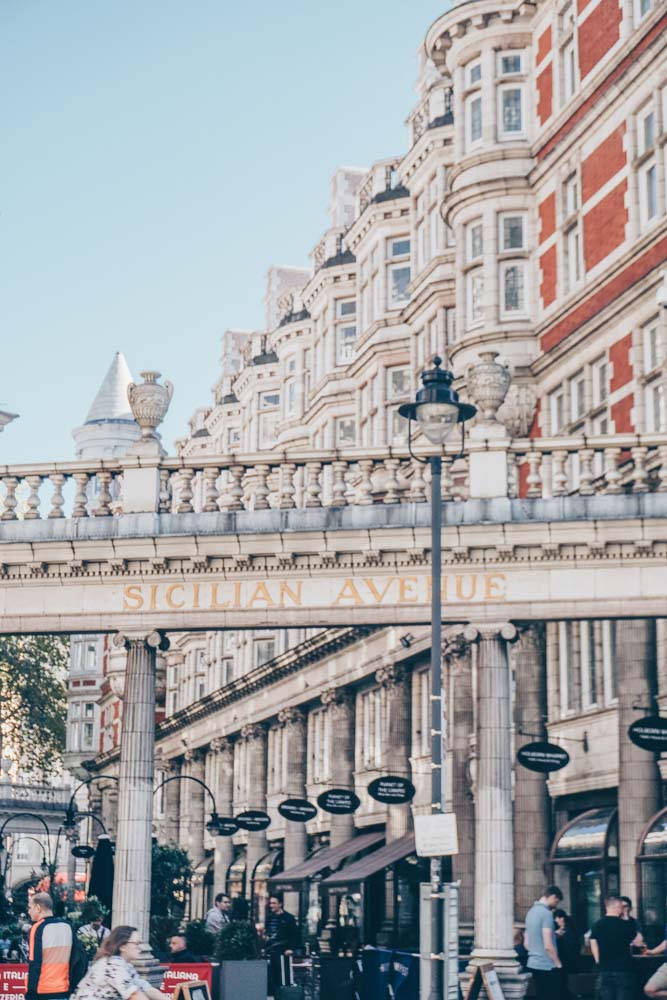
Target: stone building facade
x,y
527,221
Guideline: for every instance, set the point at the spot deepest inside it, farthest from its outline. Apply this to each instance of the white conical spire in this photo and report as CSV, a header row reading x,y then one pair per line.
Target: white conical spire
x,y
111,402
110,428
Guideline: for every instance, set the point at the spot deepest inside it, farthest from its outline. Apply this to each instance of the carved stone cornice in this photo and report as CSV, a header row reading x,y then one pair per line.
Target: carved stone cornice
x,y
195,755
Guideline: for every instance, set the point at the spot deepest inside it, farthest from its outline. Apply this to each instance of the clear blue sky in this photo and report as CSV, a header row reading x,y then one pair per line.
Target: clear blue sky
x,y
157,157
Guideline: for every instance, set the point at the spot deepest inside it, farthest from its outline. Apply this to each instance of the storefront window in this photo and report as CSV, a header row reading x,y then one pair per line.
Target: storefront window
x,y
652,880
585,863
269,865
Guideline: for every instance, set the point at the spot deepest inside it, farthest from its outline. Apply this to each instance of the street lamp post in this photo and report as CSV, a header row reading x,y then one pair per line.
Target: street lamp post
x,y
437,411
213,825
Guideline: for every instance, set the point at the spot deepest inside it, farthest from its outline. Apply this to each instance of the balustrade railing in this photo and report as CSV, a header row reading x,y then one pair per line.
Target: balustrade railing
x,y
536,468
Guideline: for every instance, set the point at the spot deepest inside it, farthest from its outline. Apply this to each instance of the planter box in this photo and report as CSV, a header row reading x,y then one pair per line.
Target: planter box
x,y
247,980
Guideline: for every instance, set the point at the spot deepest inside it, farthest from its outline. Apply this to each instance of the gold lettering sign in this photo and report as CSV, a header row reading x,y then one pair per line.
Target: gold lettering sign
x,y
337,592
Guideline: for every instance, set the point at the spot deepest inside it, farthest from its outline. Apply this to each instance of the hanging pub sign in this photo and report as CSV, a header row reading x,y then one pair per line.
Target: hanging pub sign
x,y
253,820
83,851
339,801
650,733
226,827
543,757
297,810
391,789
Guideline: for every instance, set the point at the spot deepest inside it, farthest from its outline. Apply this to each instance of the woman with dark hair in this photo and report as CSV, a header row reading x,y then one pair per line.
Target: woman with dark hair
x,y
112,975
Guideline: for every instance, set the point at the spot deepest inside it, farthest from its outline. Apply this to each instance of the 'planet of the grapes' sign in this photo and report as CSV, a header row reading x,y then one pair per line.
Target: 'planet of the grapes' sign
x,y
339,801
392,790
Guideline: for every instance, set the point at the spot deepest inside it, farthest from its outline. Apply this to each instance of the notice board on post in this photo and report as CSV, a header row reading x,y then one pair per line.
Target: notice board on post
x,y
192,991
486,976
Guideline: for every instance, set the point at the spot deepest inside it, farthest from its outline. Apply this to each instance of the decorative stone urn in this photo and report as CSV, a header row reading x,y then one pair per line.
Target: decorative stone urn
x,y
149,403
488,383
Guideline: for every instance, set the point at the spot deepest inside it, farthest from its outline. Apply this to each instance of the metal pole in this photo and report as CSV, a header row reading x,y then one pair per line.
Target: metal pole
x,y
437,978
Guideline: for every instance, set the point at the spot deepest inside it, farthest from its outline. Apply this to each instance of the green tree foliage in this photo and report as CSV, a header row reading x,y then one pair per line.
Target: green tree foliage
x,y
236,942
33,700
170,885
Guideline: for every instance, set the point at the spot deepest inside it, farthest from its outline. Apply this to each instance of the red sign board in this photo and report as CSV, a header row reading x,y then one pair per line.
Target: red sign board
x,y
190,972
13,981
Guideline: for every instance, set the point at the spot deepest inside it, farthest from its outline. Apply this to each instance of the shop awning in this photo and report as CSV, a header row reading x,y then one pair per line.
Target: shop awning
x,y
327,858
585,838
351,875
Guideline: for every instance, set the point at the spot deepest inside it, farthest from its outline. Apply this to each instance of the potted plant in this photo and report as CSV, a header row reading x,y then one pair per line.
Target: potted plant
x,y
242,972
200,940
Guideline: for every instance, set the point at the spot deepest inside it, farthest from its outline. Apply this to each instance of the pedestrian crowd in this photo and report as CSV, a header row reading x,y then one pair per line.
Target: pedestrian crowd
x,y
551,947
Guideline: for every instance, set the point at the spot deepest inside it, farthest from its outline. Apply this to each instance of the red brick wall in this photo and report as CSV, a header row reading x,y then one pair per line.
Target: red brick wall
x,y
547,213
597,34
621,414
604,226
595,303
544,44
545,93
601,165
619,356
548,267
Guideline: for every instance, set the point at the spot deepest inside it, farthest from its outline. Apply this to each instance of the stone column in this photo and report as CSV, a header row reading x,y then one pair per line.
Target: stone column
x,y
255,736
296,839
196,805
132,883
396,739
532,827
341,706
460,722
494,840
638,776
172,801
223,751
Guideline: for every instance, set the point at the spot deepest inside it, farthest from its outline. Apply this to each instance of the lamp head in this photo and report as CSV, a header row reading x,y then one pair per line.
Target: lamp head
x,y
213,825
437,409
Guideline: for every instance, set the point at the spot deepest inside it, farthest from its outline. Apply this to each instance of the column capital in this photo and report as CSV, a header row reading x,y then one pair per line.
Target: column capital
x,y
455,645
337,698
253,732
391,675
291,717
221,745
195,755
124,638
490,630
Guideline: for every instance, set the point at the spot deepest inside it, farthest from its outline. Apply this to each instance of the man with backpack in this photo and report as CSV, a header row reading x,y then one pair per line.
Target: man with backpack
x,y
56,960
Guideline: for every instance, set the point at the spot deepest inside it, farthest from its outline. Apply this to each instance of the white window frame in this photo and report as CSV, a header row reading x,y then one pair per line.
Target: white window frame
x,y
290,397
599,372
392,253
392,302
398,427
341,432
402,370
556,402
346,308
473,227
643,116
577,393
564,668
510,53
257,661
569,69
476,275
261,399
474,67
502,218
345,343
654,348
586,641
608,657
507,134
655,405
572,246
639,14
471,99
522,309
647,169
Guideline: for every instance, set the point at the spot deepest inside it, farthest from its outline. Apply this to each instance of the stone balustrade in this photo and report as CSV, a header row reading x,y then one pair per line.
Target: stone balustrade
x,y
536,468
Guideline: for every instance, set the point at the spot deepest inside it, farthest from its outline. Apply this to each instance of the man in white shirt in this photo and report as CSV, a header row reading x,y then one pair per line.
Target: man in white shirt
x,y
219,914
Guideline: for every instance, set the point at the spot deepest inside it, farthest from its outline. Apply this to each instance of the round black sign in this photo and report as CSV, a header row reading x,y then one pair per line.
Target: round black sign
x,y
339,801
83,851
253,820
298,810
649,733
391,789
543,757
226,827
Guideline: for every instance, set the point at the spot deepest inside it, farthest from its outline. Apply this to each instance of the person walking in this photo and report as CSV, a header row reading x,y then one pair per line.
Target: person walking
x,y
220,913
611,942
50,942
282,937
568,944
543,960
95,929
112,975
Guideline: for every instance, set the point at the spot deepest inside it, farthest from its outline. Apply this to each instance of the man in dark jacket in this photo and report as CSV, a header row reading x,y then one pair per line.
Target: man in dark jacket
x,y
178,951
282,937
